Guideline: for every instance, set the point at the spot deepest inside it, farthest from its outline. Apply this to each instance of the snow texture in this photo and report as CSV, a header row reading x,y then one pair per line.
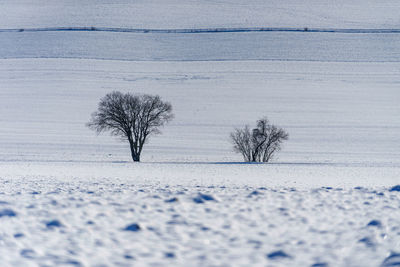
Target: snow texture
x,y
326,71
282,46
342,114
127,221
200,14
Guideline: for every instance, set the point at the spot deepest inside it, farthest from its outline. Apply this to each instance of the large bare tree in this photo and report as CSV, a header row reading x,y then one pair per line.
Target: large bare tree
x,y
132,117
259,144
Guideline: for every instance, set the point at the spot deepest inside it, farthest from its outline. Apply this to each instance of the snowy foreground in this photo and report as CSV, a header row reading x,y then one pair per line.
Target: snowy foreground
x,y
104,214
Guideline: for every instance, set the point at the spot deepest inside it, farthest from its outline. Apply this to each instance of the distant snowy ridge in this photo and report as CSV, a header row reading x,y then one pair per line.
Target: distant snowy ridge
x,y
204,30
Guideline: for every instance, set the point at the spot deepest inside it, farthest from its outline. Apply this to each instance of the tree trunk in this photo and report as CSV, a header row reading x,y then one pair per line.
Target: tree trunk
x,y
135,155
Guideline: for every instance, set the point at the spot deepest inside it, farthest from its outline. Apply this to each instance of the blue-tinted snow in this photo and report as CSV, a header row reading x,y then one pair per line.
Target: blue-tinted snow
x,y
199,14
294,46
7,213
233,229
338,114
318,204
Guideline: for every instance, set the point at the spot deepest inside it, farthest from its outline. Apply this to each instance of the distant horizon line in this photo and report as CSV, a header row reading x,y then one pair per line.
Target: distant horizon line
x,y
207,30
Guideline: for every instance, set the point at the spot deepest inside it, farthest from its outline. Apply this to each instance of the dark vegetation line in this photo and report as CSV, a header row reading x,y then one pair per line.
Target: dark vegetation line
x,y
205,30
197,60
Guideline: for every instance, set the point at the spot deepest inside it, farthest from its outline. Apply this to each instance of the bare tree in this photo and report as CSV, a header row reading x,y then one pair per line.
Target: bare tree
x,y
241,139
132,117
261,143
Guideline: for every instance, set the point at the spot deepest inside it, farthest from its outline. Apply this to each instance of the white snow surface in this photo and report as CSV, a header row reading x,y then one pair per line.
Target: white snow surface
x,y
325,200
212,46
71,198
335,112
200,14
195,214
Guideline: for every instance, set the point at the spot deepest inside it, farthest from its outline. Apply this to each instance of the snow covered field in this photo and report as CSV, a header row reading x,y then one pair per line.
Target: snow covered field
x,y
335,112
71,194
200,14
153,215
278,46
69,197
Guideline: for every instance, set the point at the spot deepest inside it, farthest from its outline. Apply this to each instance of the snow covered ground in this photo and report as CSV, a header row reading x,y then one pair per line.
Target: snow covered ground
x,y
102,214
335,112
69,197
282,46
200,14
